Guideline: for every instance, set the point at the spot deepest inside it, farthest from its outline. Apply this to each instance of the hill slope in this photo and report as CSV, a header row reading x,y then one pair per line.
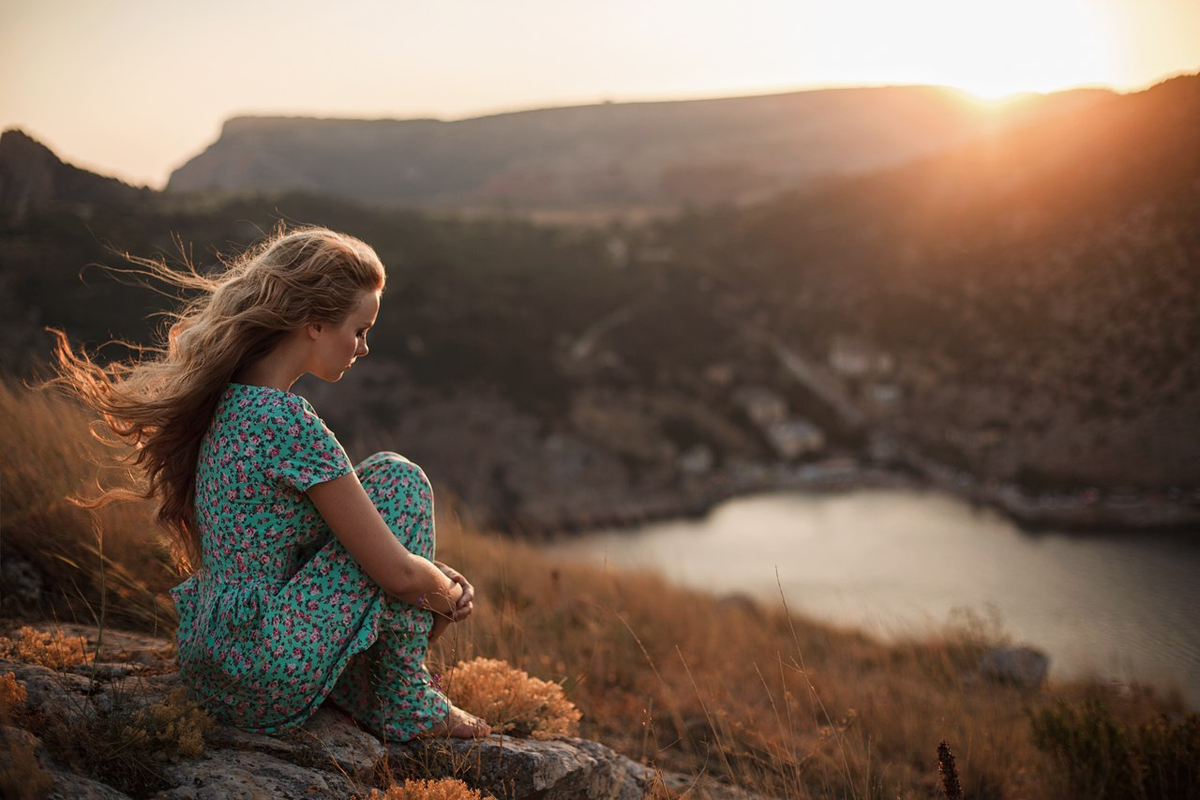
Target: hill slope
x,y
611,155
32,177
1036,291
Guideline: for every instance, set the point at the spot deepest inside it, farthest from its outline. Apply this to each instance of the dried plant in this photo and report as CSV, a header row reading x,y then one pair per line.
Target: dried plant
x,y
51,649
948,772
441,789
511,700
12,692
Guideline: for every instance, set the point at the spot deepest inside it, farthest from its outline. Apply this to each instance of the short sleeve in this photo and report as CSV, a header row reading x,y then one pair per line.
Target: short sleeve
x,y
307,452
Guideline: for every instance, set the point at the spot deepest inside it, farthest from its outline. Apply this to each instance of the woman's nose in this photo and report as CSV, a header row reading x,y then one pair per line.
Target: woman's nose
x,y
362,349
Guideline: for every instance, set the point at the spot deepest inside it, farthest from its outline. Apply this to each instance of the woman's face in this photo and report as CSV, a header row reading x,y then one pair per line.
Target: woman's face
x,y
336,347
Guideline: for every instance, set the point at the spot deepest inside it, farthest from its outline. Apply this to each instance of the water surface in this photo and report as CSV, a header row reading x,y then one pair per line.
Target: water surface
x,y
1119,606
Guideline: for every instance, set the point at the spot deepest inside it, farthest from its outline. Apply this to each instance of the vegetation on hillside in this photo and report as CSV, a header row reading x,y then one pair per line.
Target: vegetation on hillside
x,y
1029,296
689,682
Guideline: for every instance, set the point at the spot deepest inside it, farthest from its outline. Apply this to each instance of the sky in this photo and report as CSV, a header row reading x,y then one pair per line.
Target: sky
x,y
135,88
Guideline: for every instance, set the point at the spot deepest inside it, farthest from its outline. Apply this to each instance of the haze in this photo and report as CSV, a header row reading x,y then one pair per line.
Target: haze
x,y
135,88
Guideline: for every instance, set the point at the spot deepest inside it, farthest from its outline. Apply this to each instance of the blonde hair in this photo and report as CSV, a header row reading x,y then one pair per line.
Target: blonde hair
x,y
162,405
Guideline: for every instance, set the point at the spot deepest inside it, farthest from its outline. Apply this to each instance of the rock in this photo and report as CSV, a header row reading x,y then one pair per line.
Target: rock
x,y
247,775
69,786
509,768
1020,666
329,740
329,757
21,580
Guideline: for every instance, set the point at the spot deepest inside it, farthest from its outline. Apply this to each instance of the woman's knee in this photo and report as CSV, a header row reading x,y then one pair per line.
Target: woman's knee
x,y
402,493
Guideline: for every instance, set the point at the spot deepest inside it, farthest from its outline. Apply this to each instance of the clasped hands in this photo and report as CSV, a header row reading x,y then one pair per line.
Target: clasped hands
x,y
466,601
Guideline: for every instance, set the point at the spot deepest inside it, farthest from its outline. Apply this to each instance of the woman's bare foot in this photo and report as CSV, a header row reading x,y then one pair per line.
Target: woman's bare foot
x,y
458,724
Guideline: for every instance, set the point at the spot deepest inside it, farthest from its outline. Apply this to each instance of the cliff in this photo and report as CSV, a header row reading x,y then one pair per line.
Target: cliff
x,y
608,155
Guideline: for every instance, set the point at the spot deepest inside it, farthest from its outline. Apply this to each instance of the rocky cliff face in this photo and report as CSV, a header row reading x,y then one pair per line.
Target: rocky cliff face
x,y
613,154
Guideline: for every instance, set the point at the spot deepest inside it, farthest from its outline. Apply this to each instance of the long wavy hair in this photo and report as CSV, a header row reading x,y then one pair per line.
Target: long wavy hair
x,y
162,401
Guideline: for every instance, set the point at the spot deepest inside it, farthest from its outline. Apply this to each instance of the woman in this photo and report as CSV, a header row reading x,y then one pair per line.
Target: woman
x,y
315,580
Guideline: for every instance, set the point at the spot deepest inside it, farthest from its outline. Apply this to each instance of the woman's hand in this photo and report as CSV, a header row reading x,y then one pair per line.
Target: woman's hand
x,y
466,603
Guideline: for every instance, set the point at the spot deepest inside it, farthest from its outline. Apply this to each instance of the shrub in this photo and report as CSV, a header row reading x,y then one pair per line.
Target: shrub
x,y
12,693
510,700
1101,755
51,649
441,789
126,746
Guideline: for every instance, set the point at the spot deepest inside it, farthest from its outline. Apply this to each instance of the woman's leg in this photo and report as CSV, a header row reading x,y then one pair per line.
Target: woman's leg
x,y
388,687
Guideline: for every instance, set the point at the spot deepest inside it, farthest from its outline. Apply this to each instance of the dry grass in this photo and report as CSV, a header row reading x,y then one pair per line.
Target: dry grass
x,y
21,772
52,649
12,692
84,558
441,789
675,678
510,700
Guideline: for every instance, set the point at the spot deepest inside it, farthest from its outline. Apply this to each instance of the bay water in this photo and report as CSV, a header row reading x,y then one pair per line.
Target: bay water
x,y
1121,606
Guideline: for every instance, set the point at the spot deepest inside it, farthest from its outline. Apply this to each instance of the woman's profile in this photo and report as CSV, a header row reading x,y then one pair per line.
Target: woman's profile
x,y
313,578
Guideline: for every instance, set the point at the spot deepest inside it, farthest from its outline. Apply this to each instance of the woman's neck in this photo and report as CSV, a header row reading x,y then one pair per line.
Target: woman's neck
x,y
278,369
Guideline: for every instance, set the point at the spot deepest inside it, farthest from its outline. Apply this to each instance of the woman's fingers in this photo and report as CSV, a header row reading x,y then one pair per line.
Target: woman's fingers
x,y
462,612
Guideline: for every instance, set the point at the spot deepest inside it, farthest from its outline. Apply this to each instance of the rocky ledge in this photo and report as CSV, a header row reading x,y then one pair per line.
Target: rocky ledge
x,y
119,725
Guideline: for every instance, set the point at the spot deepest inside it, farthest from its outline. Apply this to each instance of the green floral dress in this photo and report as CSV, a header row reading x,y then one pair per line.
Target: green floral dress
x,y
280,617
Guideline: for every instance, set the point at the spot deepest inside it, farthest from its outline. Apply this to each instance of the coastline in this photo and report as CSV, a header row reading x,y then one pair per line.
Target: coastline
x,y
1083,512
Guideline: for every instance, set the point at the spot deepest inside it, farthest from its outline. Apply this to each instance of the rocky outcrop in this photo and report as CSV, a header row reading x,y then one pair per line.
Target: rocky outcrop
x,y
96,706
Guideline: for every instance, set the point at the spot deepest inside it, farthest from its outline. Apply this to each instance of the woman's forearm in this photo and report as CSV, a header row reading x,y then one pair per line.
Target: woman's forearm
x,y
428,587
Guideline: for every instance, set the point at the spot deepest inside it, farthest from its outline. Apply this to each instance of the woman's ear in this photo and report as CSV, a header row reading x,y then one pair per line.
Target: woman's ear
x,y
314,330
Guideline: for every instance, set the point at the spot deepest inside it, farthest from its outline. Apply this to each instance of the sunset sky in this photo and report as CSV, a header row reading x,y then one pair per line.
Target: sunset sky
x,y
134,88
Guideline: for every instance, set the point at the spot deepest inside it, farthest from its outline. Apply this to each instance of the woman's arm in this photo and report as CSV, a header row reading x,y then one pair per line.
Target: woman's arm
x,y
349,512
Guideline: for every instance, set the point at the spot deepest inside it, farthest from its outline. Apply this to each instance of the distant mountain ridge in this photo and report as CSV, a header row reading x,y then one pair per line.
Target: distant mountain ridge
x,y
612,154
32,178
1014,313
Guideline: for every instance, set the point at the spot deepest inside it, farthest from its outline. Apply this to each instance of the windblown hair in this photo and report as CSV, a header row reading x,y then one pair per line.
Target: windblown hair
x,y
162,404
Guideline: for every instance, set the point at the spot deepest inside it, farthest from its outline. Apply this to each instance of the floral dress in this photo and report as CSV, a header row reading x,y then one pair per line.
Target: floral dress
x,y
280,617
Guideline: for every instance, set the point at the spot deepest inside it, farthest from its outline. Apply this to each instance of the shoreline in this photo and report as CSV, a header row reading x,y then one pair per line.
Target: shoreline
x,y
1087,512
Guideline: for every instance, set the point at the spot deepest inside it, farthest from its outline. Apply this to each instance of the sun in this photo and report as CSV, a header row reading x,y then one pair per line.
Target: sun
x,y
989,49
995,50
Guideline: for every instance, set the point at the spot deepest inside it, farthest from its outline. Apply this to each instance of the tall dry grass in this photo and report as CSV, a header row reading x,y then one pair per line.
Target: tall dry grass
x,y
682,680
92,564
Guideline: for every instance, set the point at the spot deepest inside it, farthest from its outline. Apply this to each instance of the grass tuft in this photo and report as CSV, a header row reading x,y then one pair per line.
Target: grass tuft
x,y
1101,752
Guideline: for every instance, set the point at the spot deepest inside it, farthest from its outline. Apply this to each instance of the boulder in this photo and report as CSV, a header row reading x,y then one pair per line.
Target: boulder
x,y
510,768
1021,666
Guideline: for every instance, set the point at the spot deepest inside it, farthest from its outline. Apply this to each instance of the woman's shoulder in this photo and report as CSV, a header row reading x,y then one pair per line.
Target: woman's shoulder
x,y
264,400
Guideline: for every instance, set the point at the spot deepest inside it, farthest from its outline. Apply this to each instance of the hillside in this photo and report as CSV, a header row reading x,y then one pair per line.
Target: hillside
x,y
611,155
33,178
1013,318
1031,297
738,699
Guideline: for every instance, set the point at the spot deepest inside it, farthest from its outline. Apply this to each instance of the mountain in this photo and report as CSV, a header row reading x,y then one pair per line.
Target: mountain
x,y
607,155
32,178
1016,312
1032,294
